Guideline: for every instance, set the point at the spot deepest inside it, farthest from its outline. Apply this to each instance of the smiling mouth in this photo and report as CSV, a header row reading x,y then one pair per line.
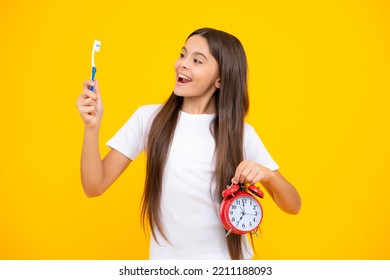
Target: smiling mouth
x,y
183,79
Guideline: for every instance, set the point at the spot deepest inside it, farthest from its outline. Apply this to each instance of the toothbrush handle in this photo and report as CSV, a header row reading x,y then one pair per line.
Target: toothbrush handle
x,y
93,76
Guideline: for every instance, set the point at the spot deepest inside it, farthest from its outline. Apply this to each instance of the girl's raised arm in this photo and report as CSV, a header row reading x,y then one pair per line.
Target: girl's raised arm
x,y
96,174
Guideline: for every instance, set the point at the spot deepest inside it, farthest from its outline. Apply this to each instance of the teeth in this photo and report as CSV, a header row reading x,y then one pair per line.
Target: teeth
x,y
184,77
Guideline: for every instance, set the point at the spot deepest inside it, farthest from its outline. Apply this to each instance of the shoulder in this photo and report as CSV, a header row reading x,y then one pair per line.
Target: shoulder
x,y
148,110
142,116
250,135
249,130
255,150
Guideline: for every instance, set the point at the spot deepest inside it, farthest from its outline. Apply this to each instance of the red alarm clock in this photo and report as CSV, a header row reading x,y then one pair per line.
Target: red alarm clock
x,y
240,211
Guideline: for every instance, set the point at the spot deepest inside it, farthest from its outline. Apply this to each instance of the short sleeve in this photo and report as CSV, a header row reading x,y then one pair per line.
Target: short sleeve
x,y
131,138
255,150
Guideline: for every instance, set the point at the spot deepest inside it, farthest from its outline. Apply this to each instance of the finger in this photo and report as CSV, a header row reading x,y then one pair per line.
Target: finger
x,y
87,94
88,84
241,172
87,89
88,102
258,178
243,176
237,174
251,177
87,110
81,102
264,174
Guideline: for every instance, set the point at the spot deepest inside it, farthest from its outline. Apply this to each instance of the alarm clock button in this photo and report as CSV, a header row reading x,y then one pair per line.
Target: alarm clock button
x,y
256,191
231,190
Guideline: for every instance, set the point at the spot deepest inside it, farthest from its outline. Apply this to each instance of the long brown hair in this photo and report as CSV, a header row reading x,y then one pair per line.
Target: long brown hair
x,y
232,105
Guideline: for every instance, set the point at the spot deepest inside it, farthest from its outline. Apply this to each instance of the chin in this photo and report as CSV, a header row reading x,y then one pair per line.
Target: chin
x,y
178,93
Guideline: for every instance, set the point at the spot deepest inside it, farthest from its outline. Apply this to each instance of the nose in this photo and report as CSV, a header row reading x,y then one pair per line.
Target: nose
x,y
183,63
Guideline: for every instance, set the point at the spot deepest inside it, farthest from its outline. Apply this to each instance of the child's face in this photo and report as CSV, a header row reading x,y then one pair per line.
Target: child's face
x,y
196,70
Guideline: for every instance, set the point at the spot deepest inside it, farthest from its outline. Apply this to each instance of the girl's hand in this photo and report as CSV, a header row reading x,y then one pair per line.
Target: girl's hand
x,y
89,105
282,192
250,172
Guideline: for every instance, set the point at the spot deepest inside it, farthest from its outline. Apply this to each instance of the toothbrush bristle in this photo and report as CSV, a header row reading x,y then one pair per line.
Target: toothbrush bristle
x,y
96,45
96,48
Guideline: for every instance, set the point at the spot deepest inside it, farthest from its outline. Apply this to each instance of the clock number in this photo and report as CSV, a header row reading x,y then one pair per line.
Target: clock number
x,y
233,219
234,207
243,225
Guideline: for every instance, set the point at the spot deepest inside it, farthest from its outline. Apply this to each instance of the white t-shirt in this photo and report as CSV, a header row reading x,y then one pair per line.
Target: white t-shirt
x,y
189,210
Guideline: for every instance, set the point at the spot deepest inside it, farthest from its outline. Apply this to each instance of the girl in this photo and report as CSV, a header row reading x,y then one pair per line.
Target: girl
x,y
196,144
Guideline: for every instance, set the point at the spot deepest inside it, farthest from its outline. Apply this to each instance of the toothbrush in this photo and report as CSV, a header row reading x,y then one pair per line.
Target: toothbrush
x,y
96,48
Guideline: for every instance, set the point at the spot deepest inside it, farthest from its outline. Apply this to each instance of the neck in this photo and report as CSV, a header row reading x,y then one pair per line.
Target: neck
x,y
193,106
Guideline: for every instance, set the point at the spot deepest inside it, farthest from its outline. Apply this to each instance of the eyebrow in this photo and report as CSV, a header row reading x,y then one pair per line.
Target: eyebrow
x,y
195,53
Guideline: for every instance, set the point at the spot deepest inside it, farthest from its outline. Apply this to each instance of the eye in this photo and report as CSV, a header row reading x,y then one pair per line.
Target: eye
x,y
181,55
196,61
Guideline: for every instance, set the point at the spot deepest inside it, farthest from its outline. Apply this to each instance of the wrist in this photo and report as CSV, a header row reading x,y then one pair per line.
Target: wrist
x,y
91,130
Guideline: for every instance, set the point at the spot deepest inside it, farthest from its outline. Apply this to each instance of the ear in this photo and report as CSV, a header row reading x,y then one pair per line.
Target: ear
x,y
218,83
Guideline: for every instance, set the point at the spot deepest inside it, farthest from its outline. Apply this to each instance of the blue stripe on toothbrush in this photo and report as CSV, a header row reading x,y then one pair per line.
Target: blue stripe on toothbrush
x,y
93,76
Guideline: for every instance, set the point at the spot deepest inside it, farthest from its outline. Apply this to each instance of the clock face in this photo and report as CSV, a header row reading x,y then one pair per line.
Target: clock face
x,y
244,213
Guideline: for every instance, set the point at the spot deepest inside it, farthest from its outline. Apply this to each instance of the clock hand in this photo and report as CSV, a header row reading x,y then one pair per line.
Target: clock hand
x,y
240,219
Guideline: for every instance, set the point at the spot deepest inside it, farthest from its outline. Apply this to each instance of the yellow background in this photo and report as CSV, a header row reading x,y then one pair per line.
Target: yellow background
x,y
319,99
